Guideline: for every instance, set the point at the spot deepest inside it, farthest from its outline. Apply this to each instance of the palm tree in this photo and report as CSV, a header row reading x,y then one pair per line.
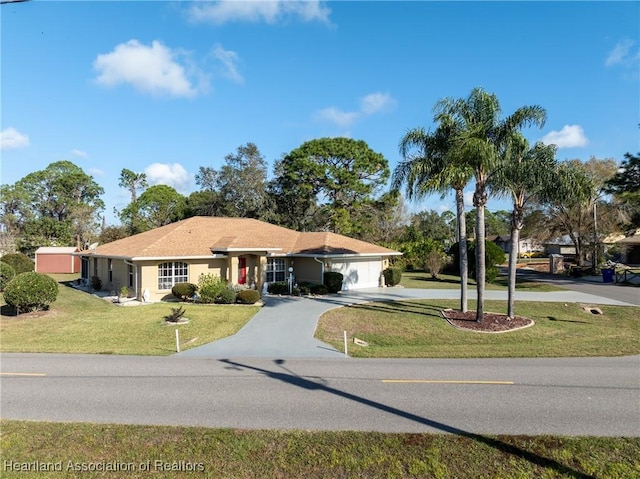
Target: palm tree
x,y
480,136
426,169
526,173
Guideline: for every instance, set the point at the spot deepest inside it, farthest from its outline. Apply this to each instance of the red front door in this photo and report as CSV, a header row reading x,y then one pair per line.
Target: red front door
x,y
242,270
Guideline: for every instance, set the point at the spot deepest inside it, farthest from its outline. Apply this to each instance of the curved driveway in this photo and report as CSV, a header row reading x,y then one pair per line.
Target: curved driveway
x,y
285,326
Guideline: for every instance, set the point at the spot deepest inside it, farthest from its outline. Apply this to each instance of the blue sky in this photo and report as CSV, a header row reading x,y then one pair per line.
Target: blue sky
x,y
167,87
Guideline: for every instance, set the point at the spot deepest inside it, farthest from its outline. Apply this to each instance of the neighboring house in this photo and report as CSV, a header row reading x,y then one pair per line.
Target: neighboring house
x,y
57,259
563,246
528,245
503,241
241,250
630,249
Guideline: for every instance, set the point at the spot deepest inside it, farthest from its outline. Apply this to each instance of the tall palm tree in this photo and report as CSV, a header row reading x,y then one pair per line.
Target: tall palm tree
x,y
481,135
526,173
426,168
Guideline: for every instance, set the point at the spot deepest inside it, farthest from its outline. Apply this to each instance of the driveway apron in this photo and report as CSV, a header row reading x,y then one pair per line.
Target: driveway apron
x,y
285,326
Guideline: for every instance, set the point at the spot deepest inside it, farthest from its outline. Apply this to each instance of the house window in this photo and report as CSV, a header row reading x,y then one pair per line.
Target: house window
x,y
130,276
275,270
110,270
171,273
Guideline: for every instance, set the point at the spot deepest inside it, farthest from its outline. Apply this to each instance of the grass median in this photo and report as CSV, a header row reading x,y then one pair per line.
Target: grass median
x,y
96,450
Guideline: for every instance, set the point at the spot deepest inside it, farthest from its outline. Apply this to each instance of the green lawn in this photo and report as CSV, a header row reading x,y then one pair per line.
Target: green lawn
x,y
422,280
290,454
416,329
79,322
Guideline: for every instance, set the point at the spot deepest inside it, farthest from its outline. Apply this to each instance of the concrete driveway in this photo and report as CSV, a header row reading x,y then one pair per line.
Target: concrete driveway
x,y
285,326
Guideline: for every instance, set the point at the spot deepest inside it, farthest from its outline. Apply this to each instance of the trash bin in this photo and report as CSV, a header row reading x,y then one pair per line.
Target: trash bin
x,y
607,275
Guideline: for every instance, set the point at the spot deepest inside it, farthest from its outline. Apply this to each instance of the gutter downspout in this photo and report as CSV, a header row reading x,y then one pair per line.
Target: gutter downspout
x,y
322,264
135,276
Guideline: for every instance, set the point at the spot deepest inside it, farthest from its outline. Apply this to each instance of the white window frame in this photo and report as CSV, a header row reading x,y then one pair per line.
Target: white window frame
x,y
172,272
276,270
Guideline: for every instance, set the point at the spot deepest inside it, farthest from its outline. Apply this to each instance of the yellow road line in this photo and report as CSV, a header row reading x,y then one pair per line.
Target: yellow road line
x,y
443,381
23,374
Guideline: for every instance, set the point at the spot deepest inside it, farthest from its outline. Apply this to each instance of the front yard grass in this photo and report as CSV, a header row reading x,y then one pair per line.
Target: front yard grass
x,y
202,452
79,322
416,329
422,280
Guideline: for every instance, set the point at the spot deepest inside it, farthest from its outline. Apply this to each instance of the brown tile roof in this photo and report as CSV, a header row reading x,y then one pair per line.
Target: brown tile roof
x,y
200,235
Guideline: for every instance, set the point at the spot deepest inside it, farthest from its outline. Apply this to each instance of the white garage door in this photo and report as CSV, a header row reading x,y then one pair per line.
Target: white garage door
x,y
359,272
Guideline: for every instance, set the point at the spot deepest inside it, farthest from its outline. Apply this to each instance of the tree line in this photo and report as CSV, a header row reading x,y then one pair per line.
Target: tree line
x,y
340,185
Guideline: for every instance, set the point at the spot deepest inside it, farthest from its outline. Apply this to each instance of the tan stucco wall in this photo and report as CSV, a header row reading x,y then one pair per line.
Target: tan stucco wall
x,y
307,270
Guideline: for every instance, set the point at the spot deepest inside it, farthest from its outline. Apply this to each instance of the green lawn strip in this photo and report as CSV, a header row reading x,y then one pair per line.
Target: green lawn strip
x,y
266,454
79,322
422,280
416,329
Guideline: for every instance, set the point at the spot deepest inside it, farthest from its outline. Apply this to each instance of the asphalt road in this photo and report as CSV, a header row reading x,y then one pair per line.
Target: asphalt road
x,y
575,396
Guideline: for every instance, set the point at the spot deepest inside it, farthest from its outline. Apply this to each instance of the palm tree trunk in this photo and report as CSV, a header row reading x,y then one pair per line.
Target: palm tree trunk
x,y
513,262
479,201
462,245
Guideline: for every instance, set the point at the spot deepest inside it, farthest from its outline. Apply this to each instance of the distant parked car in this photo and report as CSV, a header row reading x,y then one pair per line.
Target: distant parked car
x,y
532,254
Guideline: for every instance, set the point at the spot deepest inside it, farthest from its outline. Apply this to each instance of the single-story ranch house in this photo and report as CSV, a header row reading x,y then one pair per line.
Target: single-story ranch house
x,y
241,250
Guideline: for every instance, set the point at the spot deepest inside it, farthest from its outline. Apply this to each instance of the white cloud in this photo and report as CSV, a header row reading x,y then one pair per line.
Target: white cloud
x,y
270,12
571,136
172,174
376,102
11,139
623,53
338,117
229,60
369,105
79,153
153,69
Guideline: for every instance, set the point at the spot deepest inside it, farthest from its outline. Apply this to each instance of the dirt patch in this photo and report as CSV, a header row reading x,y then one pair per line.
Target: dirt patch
x,y
10,314
491,322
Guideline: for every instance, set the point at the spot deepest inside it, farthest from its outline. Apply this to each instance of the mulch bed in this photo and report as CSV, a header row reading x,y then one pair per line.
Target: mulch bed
x,y
491,322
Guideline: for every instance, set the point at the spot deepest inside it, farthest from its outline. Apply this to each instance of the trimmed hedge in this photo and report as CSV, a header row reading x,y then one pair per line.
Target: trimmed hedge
x,y
226,296
31,292
392,276
7,273
248,296
184,291
278,287
20,262
333,281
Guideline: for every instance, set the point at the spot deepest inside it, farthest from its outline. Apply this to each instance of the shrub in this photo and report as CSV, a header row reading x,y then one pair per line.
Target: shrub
x,y
436,260
31,292
319,289
226,296
278,287
176,315
392,276
7,273
20,262
96,283
333,281
493,256
305,288
248,296
184,291
210,287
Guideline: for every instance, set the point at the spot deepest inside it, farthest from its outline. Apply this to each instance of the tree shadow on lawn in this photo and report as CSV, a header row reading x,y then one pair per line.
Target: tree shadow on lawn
x,y
553,318
404,307
290,377
429,279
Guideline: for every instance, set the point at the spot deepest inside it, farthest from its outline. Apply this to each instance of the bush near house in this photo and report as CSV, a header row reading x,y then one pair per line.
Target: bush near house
x,y
31,292
20,262
7,273
248,296
392,276
278,287
210,287
184,291
226,296
333,281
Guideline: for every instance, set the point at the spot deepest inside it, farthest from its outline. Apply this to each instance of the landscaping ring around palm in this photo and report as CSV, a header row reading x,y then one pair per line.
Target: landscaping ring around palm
x,y
491,322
